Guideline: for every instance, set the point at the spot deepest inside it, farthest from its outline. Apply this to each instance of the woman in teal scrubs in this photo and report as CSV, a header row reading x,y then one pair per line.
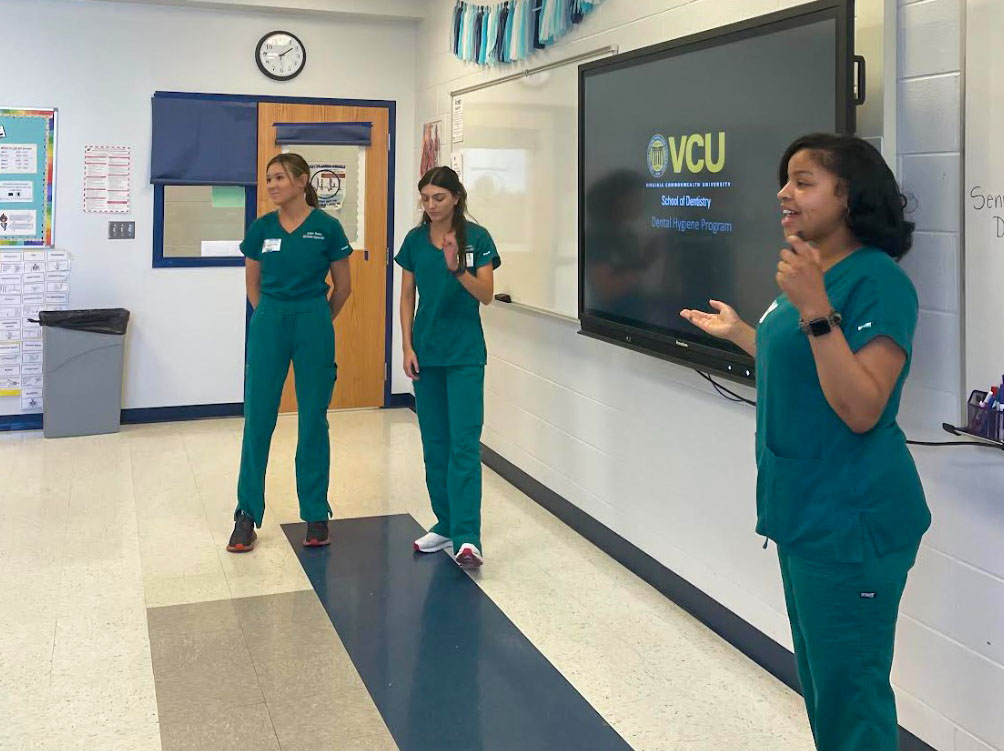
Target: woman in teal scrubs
x,y
451,262
289,253
837,489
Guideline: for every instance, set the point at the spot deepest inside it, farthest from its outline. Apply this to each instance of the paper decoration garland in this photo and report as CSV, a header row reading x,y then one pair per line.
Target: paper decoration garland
x,y
509,31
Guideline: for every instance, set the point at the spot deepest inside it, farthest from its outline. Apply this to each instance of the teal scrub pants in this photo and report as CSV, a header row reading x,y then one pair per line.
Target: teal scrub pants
x,y
281,332
450,406
843,622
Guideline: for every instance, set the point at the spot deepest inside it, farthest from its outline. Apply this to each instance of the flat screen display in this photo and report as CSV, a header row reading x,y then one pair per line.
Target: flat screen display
x,y
679,153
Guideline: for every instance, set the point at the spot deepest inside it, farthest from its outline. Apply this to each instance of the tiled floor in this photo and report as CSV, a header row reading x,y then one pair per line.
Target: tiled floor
x,y
258,672
124,624
444,665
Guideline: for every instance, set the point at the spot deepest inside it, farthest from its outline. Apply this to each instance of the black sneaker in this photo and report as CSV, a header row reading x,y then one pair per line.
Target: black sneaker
x,y
243,537
317,535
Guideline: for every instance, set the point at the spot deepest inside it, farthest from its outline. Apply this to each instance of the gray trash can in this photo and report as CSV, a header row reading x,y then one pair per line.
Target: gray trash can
x,y
82,386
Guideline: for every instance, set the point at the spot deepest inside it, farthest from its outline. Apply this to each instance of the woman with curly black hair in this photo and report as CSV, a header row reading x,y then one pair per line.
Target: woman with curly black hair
x,y
837,489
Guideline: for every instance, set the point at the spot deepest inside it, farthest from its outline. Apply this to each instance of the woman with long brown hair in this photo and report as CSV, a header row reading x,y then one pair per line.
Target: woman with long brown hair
x,y
289,253
451,262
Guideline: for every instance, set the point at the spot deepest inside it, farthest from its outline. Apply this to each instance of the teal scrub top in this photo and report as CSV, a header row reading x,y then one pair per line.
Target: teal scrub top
x,y
822,489
447,329
294,264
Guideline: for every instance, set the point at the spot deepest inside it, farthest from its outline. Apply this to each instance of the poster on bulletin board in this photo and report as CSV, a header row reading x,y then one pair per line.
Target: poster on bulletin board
x,y
27,174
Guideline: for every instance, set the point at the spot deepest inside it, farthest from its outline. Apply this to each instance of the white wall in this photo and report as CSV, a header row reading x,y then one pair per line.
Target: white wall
x,y
100,63
955,608
644,447
930,166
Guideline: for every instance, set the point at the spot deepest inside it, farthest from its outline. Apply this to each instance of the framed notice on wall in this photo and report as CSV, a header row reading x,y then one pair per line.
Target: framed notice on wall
x,y
27,176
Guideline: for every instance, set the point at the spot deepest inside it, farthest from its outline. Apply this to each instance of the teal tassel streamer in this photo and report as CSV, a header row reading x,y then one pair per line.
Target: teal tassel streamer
x,y
510,31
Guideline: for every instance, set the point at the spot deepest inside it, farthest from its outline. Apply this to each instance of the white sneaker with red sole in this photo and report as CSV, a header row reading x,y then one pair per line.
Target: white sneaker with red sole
x,y
469,557
432,543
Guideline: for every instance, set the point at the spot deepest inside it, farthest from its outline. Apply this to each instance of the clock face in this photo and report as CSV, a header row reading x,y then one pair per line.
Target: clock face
x,y
280,55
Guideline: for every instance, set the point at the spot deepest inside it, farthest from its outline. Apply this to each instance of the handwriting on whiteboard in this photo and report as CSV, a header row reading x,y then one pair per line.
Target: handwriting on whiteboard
x,y
987,203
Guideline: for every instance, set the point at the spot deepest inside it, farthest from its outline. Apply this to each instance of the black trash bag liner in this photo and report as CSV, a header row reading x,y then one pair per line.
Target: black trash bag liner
x,y
101,321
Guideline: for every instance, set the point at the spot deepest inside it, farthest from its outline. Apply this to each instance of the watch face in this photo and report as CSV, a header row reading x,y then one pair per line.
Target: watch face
x,y
280,55
820,326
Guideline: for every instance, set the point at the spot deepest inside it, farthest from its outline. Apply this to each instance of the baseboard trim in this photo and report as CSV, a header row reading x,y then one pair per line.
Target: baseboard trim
x,y
10,423
140,415
401,401
745,637
143,415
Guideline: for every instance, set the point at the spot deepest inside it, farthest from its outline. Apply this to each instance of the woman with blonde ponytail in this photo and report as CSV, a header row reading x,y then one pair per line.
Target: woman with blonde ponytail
x,y
289,253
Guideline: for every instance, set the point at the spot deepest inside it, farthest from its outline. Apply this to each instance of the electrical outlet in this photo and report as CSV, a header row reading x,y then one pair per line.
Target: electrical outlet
x,y
121,230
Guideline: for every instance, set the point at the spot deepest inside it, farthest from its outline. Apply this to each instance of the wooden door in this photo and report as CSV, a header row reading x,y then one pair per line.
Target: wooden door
x,y
360,331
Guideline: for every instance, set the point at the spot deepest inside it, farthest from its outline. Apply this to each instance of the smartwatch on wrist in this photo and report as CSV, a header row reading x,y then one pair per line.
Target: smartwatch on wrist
x,y
821,326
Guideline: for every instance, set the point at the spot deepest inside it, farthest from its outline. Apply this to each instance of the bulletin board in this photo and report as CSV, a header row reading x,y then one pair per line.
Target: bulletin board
x,y
27,176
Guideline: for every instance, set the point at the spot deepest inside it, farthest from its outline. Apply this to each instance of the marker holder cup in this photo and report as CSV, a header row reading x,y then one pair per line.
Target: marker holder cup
x,y
982,421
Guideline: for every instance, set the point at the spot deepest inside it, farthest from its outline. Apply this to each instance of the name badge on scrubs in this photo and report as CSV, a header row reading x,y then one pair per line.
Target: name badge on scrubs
x,y
470,259
272,245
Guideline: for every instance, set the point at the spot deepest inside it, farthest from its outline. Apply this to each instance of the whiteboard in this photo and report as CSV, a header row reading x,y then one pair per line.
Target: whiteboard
x,y
984,193
520,168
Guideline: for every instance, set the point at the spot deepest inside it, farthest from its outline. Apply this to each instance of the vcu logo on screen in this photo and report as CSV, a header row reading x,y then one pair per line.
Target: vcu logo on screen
x,y
658,156
692,153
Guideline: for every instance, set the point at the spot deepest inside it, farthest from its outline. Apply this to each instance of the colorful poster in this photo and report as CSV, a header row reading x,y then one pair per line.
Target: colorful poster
x,y
27,174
